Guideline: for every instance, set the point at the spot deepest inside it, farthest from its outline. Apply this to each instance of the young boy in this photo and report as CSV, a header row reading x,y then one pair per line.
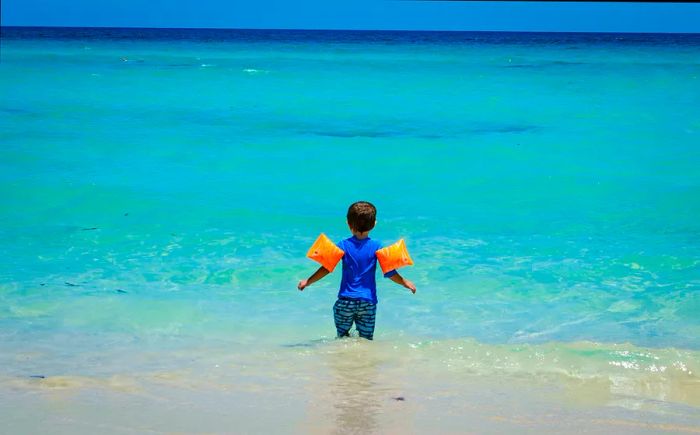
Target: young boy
x,y
357,298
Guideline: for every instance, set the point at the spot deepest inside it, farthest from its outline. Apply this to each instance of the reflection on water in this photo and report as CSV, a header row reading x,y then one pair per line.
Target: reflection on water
x,y
354,389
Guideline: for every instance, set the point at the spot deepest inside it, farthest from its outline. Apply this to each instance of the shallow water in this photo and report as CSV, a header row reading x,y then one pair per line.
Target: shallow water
x,y
160,189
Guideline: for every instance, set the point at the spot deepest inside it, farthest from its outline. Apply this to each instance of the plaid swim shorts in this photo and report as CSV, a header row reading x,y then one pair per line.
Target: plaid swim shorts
x,y
347,311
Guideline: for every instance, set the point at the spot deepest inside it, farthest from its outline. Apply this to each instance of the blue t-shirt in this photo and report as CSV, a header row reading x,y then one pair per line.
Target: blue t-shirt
x,y
359,269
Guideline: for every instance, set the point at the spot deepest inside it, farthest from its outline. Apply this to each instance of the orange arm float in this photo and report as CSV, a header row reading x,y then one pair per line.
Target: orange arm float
x,y
325,252
394,256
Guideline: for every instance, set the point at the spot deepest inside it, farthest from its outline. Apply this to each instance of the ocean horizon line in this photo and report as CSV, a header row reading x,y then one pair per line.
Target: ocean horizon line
x,y
423,31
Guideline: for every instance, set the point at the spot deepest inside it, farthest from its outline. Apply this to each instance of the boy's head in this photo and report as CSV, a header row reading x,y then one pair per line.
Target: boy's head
x,y
362,216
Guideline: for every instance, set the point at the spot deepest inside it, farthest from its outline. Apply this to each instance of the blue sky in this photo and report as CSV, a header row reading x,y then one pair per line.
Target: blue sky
x,y
358,14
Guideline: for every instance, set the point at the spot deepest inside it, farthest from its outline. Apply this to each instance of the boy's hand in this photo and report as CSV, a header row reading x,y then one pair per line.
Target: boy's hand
x,y
320,273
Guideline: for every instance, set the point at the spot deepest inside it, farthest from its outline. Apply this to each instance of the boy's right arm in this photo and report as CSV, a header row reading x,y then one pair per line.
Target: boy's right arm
x,y
320,273
398,279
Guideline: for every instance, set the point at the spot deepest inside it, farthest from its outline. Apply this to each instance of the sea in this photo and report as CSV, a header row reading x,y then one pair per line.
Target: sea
x,y
159,189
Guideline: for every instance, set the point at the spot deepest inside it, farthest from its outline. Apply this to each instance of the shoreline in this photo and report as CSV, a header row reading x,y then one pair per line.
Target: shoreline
x,y
339,385
345,404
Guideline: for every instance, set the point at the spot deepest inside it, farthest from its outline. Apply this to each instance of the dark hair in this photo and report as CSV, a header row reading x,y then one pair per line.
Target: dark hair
x,y
362,216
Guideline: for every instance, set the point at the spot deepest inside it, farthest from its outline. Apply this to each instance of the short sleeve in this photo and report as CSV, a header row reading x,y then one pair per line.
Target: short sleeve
x,y
390,273
341,246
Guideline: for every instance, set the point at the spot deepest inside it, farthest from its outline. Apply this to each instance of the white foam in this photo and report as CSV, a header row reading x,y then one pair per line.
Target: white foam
x,y
255,71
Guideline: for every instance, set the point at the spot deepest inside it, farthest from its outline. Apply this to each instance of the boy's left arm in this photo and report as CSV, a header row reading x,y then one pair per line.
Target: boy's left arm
x,y
320,273
398,279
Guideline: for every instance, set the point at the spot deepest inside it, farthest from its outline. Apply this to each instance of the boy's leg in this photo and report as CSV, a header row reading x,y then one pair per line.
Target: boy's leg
x,y
364,319
343,312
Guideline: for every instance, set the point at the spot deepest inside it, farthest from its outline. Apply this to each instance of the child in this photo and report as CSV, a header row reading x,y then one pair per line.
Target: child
x,y
357,298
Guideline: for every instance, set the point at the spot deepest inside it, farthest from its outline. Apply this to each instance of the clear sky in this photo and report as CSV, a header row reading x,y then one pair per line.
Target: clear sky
x,y
358,14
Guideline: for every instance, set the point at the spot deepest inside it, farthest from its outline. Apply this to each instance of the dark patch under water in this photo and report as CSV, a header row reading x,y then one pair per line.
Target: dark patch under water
x,y
361,133
496,129
17,111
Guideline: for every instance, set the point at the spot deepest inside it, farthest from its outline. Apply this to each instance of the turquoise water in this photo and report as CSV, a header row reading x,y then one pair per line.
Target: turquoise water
x,y
159,192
